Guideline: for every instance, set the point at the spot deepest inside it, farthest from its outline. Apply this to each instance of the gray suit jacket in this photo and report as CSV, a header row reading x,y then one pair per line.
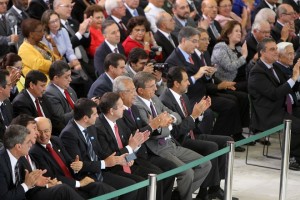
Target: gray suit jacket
x,y
154,143
5,33
59,104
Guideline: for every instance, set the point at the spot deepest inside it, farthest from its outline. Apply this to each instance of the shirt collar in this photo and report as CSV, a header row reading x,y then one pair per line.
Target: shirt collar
x,y
269,66
111,123
112,80
17,9
60,89
130,68
271,6
286,66
165,33
13,159
185,54
175,94
129,9
31,96
116,19
182,22
146,101
44,145
112,47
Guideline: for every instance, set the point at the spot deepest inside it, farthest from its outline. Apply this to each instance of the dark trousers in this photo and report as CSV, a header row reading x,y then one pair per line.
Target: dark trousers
x,y
95,189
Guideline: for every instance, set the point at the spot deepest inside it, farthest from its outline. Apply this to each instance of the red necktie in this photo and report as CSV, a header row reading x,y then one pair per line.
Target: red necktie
x,y
69,100
191,133
38,108
289,105
120,145
191,60
59,161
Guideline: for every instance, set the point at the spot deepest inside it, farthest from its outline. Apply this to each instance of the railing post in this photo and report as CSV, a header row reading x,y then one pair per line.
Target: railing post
x,y
152,187
229,170
285,159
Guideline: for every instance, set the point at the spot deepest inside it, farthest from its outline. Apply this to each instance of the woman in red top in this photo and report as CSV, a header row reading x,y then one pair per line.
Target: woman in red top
x,y
96,12
140,36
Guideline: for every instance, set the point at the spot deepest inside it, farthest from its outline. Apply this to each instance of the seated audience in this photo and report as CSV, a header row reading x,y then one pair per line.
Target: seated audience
x,y
114,66
34,53
111,44
97,38
140,36
229,58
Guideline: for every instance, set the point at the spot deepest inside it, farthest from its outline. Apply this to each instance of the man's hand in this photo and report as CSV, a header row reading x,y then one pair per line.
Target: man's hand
x,y
76,165
204,23
200,107
113,160
157,74
165,119
224,85
285,32
85,181
53,182
148,68
154,123
35,178
14,38
296,71
15,76
85,25
138,139
203,70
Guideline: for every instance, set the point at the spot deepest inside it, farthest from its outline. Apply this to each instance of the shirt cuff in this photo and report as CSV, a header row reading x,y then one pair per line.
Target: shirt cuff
x,y
103,164
175,119
78,35
25,187
129,149
192,118
77,185
159,82
291,82
193,79
86,34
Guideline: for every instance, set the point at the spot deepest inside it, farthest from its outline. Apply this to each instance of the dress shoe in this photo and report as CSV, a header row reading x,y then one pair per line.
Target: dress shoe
x,y
240,149
253,143
264,142
294,165
238,137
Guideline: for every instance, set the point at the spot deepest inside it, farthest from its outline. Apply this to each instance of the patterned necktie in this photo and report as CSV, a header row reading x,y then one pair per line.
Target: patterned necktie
x,y
171,41
130,114
183,105
154,114
69,100
17,174
116,50
203,60
59,161
214,30
120,145
191,60
123,27
38,108
92,153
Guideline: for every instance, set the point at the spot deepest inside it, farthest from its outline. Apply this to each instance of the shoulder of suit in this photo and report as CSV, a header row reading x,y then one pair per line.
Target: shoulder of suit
x,y
147,8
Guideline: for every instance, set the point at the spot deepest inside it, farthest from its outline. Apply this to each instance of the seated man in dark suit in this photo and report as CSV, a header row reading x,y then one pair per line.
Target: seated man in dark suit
x,y
59,93
116,10
51,155
285,64
131,117
111,44
163,36
31,100
80,138
132,10
161,142
188,134
6,109
269,91
228,121
114,66
18,181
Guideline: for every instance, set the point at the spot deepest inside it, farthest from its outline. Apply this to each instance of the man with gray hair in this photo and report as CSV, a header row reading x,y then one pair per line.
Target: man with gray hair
x,y
161,142
164,36
260,30
116,10
266,14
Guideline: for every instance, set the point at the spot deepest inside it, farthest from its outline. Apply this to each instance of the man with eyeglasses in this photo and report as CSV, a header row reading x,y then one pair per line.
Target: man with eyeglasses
x,y
260,30
284,29
6,110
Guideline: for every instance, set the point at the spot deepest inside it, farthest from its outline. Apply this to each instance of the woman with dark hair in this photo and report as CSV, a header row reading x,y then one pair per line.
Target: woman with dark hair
x,y
35,54
96,12
57,38
229,57
12,62
140,36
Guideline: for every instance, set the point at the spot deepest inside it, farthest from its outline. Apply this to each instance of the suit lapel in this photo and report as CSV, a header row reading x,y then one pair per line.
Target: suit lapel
x,y
80,135
109,130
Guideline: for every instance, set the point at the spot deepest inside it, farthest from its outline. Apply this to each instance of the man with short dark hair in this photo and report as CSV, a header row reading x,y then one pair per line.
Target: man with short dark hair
x,y
80,138
6,110
111,44
114,66
267,85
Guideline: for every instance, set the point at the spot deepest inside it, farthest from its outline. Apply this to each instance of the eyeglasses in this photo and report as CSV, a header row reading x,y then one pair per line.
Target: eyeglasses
x,y
54,21
44,131
292,13
226,6
19,68
264,32
139,30
204,39
131,91
212,7
194,40
151,86
69,6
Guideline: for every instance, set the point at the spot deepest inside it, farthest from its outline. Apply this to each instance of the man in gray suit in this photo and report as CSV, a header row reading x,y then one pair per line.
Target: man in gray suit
x,y
161,142
61,96
7,38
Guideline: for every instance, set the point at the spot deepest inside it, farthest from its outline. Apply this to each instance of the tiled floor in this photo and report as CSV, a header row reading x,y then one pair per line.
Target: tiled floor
x,y
256,183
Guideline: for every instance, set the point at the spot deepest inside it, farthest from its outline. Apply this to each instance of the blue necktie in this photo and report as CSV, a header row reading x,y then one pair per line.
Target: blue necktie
x,y
135,13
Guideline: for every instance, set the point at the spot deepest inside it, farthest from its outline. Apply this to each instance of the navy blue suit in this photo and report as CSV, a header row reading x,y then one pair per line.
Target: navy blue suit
x,y
100,86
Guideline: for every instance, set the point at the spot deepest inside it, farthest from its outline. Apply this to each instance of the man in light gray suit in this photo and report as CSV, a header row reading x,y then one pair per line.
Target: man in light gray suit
x,y
61,96
161,142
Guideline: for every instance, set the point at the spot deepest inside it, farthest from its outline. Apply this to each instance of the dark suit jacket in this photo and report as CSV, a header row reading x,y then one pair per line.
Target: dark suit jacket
x,y
8,190
166,45
128,15
36,8
268,96
181,131
251,46
195,91
101,52
46,161
276,35
75,144
58,102
262,4
100,86
123,34
78,10
9,113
